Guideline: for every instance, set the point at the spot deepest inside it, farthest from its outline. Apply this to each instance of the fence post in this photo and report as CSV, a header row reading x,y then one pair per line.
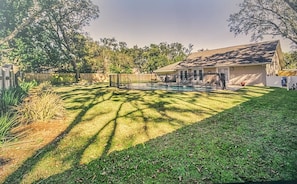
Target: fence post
x,y
1,79
110,81
118,80
11,78
4,78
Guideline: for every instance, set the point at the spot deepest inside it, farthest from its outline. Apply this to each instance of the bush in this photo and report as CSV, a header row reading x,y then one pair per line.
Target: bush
x,y
62,79
8,98
26,86
7,122
40,107
13,96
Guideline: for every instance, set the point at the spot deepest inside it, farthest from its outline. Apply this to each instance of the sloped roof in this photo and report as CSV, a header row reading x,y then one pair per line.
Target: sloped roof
x,y
168,68
256,53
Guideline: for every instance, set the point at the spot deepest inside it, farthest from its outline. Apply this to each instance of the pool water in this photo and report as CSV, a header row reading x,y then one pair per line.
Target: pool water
x,y
168,87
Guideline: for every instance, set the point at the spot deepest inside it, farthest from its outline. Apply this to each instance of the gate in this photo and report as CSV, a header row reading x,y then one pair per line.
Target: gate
x,y
7,77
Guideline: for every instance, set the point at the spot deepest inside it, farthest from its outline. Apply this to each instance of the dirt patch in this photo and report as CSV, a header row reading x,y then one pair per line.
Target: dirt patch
x,y
31,138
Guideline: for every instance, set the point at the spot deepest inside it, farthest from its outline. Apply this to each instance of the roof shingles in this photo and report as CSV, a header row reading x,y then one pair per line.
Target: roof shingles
x,y
256,53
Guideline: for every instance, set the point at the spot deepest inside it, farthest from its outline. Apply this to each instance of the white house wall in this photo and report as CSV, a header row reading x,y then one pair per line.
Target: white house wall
x,y
273,68
250,75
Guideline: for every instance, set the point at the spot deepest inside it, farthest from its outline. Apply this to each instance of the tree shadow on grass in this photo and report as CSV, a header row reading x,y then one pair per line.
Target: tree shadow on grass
x,y
88,103
29,164
122,97
210,151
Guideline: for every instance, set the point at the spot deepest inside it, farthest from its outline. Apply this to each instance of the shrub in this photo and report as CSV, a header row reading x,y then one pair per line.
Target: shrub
x,y
40,107
26,86
44,86
13,96
7,122
62,79
8,98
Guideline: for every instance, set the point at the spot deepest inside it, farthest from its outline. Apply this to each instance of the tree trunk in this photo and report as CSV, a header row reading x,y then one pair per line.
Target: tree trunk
x,y
77,76
73,63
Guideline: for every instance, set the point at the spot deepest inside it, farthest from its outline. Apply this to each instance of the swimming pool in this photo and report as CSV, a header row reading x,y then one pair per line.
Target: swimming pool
x,y
168,87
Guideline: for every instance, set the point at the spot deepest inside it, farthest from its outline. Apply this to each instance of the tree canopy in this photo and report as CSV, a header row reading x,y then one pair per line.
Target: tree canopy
x,y
290,60
48,35
265,17
45,33
116,57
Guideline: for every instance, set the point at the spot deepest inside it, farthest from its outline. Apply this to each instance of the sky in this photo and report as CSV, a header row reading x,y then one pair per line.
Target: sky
x,y
202,23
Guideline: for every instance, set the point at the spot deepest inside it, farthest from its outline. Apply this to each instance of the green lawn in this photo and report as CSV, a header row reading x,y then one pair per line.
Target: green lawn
x,y
120,136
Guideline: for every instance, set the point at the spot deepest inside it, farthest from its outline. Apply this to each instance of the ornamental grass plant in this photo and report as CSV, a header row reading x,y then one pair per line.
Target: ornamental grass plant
x,y
42,104
7,121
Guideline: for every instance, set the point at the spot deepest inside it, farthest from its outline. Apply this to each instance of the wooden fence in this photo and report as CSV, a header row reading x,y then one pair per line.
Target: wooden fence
x,y
65,77
123,80
7,77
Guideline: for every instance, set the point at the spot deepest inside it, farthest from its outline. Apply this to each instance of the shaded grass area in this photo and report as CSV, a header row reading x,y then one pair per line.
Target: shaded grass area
x,y
249,135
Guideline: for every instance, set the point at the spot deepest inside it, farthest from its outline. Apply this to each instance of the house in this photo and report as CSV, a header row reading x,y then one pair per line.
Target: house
x,y
243,64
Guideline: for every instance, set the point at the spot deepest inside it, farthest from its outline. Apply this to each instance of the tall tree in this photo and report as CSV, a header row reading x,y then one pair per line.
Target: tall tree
x,y
265,17
291,60
54,29
15,16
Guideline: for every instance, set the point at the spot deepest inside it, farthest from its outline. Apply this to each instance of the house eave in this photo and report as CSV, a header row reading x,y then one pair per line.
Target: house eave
x,y
238,65
164,71
231,65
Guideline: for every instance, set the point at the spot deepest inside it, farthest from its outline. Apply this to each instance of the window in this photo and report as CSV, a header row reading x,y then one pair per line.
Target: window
x,y
200,75
186,75
195,74
181,75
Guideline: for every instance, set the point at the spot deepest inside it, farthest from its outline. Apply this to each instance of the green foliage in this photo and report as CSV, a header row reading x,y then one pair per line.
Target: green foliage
x,y
46,34
265,17
167,137
291,60
116,57
13,96
26,86
8,98
54,41
7,122
12,14
62,79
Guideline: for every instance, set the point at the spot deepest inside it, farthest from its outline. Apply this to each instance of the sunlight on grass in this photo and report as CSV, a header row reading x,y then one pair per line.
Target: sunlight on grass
x,y
104,120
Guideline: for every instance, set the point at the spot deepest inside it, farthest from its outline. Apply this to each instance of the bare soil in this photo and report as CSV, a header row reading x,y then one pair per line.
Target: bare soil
x,y
30,139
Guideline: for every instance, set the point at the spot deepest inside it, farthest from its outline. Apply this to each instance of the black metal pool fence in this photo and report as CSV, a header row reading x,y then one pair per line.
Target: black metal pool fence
x,y
207,81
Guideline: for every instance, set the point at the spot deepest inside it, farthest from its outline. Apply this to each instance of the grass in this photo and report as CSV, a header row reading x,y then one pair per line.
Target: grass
x,y
119,136
7,122
9,99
